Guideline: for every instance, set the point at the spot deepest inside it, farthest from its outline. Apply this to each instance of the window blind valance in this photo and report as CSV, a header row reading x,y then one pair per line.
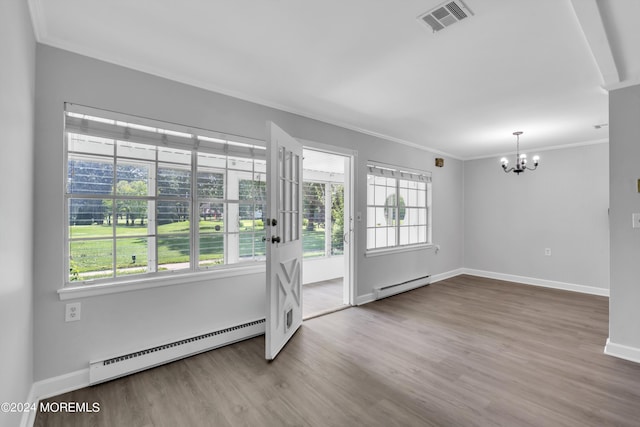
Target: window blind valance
x,y
389,171
107,124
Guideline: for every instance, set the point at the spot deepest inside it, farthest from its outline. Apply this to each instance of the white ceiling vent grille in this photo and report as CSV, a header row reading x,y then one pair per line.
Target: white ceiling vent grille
x,y
446,14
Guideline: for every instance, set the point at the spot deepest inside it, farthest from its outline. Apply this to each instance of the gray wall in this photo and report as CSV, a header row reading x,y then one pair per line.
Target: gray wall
x,y
123,322
624,302
510,219
17,50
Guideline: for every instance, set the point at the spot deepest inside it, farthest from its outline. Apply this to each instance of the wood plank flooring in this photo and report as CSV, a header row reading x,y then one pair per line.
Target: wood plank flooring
x,y
321,296
466,351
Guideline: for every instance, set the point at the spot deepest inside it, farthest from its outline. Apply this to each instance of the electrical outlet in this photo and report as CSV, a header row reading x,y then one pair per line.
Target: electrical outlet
x,y
72,312
547,251
636,220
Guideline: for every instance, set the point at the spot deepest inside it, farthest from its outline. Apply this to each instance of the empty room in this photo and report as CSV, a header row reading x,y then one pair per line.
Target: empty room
x,y
363,212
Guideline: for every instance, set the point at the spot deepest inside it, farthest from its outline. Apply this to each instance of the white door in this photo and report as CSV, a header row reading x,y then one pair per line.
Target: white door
x,y
284,239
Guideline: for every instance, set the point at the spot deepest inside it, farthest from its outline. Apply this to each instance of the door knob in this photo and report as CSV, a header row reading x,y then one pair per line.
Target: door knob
x,y
275,239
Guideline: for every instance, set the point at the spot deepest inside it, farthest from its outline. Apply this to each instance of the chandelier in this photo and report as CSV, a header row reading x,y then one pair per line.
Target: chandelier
x,y
521,159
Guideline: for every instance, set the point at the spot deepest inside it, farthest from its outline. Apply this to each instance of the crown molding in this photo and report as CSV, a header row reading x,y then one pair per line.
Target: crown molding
x,y
542,149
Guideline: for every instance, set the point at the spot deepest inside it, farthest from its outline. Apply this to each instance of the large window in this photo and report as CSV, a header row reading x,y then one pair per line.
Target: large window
x,y
398,207
146,198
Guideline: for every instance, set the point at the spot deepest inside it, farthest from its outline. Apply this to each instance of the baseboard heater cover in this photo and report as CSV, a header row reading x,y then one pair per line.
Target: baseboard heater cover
x,y
389,290
126,364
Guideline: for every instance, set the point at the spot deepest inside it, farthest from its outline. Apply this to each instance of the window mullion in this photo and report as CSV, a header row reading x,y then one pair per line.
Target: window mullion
x,y
152,240
225,213
195,214
327,219
398,204
114,207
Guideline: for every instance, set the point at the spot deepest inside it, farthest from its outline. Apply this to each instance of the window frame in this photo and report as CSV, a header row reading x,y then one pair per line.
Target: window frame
x,y
398,174
195,141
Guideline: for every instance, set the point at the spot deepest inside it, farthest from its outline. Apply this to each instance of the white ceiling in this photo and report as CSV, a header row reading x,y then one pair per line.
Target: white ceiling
x,y
370,65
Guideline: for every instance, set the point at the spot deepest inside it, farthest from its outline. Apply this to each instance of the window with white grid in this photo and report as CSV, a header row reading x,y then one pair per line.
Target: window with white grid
x,y
398,207
149,198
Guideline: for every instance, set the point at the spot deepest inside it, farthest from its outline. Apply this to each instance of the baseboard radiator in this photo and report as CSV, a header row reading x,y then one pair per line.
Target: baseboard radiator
x,y
115,367
387,291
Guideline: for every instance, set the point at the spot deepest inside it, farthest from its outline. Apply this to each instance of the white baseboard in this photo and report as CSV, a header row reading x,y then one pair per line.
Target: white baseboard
x,y
28,418
61,384
366,298
538,282
447,275
53,387
622,351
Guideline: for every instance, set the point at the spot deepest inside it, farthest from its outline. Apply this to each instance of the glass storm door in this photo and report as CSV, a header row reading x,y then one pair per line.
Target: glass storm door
x,y
284,240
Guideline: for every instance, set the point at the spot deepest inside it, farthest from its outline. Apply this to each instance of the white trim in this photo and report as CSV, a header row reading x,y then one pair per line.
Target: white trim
x,y
397,249
28,418
370,297
350,184
447,275
84,291
327,148
61,384
594,32
538,282
38,22
382,169
621,85
73,124
622,351
53,387
542,149
352,228
366,298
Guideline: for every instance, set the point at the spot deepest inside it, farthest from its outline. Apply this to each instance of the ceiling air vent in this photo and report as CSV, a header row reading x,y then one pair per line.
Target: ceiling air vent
x,y
446,14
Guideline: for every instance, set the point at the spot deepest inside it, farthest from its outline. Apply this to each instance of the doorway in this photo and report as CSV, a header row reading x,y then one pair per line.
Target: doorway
x,y
327,225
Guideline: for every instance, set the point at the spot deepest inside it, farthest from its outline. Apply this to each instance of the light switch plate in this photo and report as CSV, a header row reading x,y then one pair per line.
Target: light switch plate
x,y
636,220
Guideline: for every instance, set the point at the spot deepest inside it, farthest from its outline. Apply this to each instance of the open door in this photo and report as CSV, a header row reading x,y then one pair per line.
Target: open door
x,y
284,239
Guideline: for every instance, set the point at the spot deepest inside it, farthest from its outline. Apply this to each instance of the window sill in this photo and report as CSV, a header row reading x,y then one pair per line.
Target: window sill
x,y
84,291
397,249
